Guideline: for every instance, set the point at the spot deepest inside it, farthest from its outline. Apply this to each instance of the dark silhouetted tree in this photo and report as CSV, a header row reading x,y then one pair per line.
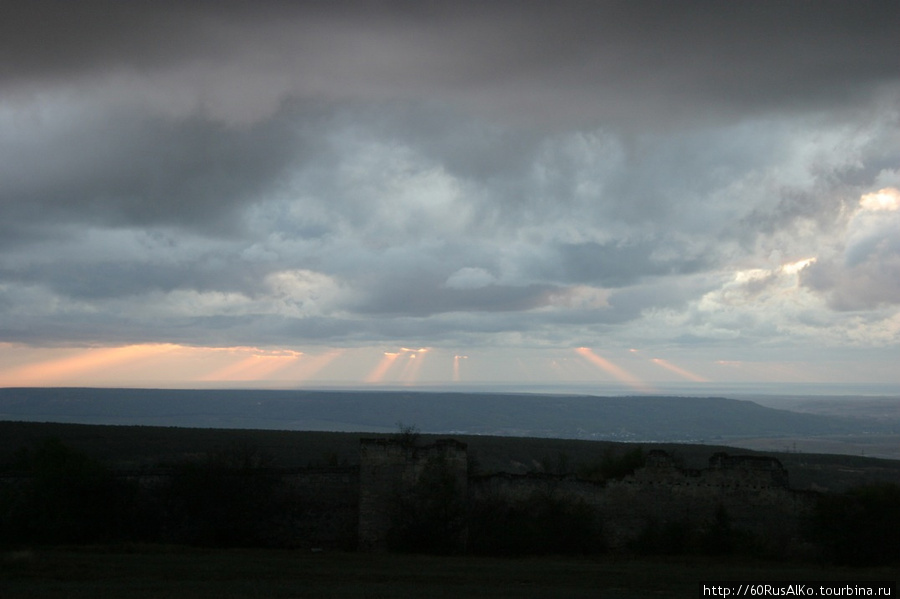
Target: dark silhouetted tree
x,y
861,526
66,497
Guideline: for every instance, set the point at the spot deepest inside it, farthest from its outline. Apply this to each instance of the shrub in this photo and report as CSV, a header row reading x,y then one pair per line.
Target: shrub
x,y
65,497
859,527
541,525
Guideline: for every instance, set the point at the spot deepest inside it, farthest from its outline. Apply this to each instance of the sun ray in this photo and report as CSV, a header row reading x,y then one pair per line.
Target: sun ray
x,y
413,364
617,372
378,373
71,368
682,372
456,360
258,365
309,368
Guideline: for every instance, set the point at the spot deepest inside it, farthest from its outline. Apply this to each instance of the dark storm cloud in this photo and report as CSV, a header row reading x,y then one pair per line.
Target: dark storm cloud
x,y
110,278
423,299
617,264
619,59
59,39
127,169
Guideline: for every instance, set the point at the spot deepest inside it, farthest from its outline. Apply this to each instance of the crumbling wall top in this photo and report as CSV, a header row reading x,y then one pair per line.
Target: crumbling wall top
x,y
721,460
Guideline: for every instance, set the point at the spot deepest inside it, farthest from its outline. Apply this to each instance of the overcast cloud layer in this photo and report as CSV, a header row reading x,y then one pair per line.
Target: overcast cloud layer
x,y
654,175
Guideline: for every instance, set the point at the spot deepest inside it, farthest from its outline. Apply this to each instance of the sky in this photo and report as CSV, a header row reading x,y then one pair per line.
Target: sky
x,y
368,193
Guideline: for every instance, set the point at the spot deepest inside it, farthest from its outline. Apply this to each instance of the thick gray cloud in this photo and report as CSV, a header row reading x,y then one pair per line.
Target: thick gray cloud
x,y
541,174
866,275
575,58
137,170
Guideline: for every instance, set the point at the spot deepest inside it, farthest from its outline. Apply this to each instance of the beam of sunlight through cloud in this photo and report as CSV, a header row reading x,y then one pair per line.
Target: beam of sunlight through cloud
x,y
456,360
308,368
259,365
413,364
617,372
682,372
70,369
378,373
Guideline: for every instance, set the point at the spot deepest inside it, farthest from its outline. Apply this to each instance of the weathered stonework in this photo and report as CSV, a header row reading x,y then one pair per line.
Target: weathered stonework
x,y
327,502
346,507
389,467
753,492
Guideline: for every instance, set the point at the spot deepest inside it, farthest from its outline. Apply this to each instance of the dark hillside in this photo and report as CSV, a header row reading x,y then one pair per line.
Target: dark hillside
x,y
128,447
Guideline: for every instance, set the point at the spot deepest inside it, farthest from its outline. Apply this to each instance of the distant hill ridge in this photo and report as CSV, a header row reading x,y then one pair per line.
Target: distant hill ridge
x,y
637,418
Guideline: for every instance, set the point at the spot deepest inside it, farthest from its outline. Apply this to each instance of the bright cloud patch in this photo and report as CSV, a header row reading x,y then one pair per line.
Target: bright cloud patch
x,y
864,272
883,199
299,293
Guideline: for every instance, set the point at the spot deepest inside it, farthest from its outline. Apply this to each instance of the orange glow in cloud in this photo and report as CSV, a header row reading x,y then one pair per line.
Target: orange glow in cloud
x,y
86,362
793,268
887,199
384,365
617,372
680,371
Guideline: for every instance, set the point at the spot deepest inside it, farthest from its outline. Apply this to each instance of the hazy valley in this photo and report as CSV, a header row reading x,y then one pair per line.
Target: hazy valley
x,y
811,424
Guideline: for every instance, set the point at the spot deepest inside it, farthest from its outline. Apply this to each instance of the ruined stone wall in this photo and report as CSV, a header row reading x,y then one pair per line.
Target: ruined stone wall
x,y
326,507
753,501
524,487
388,468
351,507
752,491
322,504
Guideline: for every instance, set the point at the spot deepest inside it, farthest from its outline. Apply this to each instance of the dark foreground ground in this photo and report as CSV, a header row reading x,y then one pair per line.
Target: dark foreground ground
x,y
176,572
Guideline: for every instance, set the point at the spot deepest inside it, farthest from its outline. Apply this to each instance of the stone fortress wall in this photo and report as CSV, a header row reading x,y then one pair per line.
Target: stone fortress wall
x,y
387,468
752,490
351,506
328,499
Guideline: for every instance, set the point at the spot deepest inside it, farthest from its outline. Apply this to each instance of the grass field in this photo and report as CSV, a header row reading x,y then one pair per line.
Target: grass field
x,y
145,572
